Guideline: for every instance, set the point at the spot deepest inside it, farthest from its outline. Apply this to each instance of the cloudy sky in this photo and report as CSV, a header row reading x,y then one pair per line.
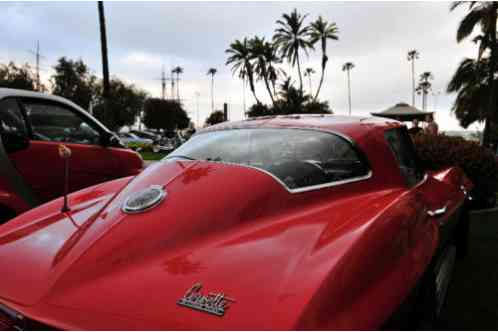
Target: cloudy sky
x,y
142,37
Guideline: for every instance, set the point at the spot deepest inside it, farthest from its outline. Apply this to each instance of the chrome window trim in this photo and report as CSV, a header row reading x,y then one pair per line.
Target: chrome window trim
x,y
314,187
302,189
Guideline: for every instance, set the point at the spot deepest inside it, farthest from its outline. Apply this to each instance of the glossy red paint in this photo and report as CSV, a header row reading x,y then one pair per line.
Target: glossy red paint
x,y
342,257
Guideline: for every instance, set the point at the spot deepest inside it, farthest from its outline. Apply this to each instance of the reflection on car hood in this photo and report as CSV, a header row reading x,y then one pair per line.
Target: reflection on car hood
x,y
231,228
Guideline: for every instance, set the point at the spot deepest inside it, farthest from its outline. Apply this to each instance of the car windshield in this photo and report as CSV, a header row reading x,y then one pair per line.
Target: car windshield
x,y
297,157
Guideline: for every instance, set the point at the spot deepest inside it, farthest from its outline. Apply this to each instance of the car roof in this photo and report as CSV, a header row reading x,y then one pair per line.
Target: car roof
x,y
6,92
353,127
17,93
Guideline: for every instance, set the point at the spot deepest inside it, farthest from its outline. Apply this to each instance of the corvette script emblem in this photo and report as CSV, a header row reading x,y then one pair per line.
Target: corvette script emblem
x,y
211,303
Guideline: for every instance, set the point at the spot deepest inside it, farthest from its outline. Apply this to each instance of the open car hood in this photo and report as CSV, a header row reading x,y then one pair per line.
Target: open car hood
x,y
232,229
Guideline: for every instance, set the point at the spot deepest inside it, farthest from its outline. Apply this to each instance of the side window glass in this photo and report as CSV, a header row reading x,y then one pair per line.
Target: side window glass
x,y
53,122
11,119
405,155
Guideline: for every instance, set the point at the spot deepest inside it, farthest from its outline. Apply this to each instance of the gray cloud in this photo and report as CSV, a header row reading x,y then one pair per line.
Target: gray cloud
x,y
145,35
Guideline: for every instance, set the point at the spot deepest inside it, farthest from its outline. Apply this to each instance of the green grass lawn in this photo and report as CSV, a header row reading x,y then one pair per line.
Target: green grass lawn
x,y
152,155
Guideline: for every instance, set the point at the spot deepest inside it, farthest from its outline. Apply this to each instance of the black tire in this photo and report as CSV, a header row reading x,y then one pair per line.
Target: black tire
x,y
462,232
434,291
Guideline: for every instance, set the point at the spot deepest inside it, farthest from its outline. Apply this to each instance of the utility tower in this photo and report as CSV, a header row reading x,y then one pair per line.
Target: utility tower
x,y
163,80
38,56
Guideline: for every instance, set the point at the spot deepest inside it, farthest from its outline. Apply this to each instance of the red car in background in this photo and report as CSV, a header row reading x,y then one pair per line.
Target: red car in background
x,y
32,126
291,222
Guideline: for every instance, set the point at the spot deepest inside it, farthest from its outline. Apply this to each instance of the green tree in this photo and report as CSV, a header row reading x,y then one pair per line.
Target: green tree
x,y
261,51
163,114
73,80
124,104
347,67
471,83
309,72
485,15
14,77
212,72
240,59
412,56
215,117
178,71
424,86
321,30
291,37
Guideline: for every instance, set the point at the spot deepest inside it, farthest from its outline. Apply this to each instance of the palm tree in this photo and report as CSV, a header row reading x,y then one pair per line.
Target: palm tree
x,y
177,70
291,37
240,58
321,30
424,86
348,66
260,49
485,15
412,56
212,72
471,84
308,72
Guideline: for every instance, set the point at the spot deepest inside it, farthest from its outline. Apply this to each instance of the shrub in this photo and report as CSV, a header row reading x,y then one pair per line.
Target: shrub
x,y
478,163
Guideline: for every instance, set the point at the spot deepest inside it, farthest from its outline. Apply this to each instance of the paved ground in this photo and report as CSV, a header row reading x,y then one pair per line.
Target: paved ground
x,y
473,295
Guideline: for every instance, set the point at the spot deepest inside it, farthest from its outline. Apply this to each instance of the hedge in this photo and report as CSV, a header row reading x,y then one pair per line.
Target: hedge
x,y
479,163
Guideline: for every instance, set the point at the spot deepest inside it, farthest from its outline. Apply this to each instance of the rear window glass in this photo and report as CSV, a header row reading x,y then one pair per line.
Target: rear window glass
x,y
298,158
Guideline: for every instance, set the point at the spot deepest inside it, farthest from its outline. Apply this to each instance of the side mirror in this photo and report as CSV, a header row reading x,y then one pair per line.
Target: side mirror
x,y
13,142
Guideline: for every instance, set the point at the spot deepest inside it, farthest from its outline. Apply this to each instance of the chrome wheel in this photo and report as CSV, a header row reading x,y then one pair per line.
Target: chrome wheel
x,y
443,277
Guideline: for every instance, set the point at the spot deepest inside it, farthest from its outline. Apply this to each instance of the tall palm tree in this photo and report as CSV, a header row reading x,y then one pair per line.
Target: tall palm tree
x,y
240,59
291,37
424,86
309,72
347,67
471,83
321,30
485,15
177,70
105,61
412,56
212,72
259,51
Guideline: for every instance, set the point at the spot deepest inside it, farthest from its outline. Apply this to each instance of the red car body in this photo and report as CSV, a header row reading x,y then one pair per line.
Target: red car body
x,y
32,126
340,256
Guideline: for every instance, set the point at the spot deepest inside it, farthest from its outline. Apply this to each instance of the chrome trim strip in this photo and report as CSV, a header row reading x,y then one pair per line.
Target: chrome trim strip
x,y
311,188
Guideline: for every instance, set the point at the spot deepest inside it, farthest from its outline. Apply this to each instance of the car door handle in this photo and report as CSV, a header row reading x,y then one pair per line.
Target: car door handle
x,y
437,212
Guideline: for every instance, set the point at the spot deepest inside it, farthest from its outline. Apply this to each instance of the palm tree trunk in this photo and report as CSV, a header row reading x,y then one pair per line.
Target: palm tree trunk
x,y
244,95
265,75
178,86
251,83
212,93
299,71
320,84
413,82
491,116
105,62
324,65
349,91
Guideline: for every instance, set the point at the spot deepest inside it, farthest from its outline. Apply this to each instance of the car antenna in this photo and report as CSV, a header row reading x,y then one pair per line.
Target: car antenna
x,y
65,153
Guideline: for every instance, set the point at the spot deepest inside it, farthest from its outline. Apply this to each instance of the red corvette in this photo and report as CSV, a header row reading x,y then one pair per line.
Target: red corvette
x,y
294,222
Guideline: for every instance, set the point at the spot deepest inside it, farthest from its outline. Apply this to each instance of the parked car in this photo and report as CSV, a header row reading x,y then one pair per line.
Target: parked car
x,y
295,222
135,142
156,138
32,126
